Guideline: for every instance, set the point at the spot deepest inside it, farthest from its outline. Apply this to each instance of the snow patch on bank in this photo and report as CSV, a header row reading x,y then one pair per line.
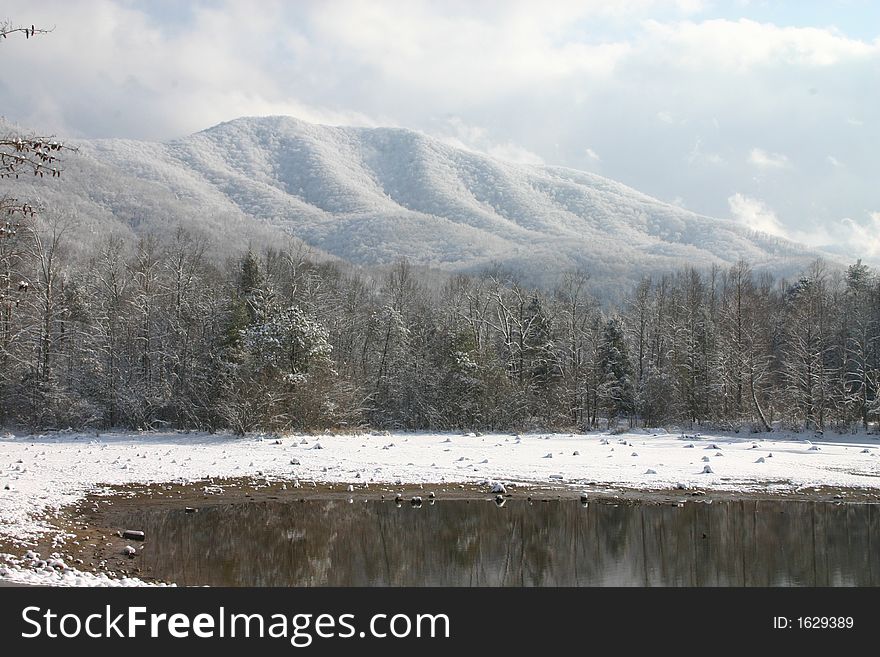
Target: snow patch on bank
x,y
33,571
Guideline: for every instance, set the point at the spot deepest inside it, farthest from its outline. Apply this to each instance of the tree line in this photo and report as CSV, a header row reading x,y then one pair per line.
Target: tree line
x,y
160,334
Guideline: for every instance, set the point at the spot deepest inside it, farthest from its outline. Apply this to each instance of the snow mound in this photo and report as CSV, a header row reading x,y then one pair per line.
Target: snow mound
x,y
33,572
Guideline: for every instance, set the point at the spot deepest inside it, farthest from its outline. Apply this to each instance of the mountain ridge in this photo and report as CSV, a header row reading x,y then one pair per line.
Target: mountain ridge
x,y
373,195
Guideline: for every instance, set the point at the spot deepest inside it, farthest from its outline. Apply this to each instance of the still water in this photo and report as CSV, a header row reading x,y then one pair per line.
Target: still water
x,y
554,543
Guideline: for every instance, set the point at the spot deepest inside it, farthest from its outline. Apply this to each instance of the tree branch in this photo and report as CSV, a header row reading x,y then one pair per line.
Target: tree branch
x,y
7,28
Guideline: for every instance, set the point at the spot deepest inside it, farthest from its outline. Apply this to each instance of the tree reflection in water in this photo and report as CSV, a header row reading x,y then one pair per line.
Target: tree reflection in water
x,y
554,543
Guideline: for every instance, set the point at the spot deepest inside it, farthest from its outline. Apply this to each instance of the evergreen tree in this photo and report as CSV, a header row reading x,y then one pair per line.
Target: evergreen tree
x,y
615,370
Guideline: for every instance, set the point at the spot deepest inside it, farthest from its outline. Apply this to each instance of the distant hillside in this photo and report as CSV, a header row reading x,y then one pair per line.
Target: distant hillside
x,y
370,196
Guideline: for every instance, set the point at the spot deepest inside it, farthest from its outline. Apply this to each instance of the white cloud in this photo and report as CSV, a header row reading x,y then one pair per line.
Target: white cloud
x,y
764,160
755,214
690,6
456,132
593,155
845,237
108,69
833,161
863,239
744,44
697,156
474,53
514,153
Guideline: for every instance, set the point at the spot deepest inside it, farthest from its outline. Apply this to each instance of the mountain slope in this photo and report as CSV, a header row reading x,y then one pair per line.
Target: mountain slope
x,y
371,196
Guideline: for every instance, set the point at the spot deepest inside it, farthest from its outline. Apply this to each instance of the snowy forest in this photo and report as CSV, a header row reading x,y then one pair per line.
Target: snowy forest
x,y
163,334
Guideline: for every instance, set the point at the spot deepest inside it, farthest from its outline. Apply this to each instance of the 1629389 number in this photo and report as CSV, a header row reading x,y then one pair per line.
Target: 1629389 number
x,y
825,622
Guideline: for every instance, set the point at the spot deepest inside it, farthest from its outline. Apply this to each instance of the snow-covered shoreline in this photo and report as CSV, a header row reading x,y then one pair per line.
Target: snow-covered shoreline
x,y
33,571
40,474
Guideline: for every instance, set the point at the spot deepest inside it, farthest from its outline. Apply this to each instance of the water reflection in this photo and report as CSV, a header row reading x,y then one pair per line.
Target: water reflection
x,y
556,543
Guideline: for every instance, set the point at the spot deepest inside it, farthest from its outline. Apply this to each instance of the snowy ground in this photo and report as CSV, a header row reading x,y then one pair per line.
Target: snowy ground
x,y
34,571
40,474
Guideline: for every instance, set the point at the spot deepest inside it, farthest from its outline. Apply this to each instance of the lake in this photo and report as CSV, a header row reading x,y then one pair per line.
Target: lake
x,y
539,543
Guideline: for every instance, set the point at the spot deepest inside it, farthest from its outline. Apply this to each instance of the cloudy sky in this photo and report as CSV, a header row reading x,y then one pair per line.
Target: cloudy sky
x,y
765,112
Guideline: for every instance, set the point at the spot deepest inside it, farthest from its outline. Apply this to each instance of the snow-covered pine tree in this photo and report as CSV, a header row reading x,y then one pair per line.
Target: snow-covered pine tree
x,y
616,392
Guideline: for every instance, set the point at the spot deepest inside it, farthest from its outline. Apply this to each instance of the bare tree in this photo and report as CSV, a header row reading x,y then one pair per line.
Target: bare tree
x,y
25,155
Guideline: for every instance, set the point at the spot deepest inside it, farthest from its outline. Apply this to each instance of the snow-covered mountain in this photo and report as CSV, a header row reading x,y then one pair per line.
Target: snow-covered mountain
x,y
372,195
